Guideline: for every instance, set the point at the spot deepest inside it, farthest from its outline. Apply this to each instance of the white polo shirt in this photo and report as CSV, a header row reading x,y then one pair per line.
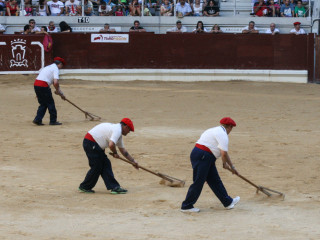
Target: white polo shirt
x,y
104,132
301,31
48,73
215,139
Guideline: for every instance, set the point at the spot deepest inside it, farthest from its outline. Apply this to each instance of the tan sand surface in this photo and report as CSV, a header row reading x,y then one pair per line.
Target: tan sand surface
x,y
276,144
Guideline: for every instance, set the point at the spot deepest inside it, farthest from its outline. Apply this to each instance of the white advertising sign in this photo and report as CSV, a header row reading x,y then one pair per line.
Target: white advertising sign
x,y
110,38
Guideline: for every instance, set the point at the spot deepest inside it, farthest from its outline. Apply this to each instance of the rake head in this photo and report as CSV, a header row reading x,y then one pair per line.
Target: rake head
x,y
171,181
92,117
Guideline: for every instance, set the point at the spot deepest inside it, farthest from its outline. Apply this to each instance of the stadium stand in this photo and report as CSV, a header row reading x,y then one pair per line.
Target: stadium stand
x,y
234,15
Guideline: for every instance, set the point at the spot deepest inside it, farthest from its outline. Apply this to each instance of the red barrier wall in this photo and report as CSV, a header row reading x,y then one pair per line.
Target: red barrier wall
x,y
172,51
22,53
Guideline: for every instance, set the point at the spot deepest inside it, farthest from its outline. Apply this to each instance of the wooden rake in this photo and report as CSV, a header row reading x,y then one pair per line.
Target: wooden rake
x,y
91,116
262,189
165,179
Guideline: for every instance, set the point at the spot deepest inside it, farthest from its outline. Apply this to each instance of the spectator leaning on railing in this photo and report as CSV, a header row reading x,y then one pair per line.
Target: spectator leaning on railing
x,y
287,9
26,29
211,10
52,28
297,30
216,29
106,29
200,28
183,9
250,28
136,27
273,30
178,28
135,8
33,26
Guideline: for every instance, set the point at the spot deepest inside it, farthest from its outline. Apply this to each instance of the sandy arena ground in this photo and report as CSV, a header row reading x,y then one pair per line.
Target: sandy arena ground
x,y
276,144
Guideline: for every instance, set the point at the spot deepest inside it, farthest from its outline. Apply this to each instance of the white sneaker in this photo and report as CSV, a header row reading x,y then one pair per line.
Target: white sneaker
x,y
234,202
191,210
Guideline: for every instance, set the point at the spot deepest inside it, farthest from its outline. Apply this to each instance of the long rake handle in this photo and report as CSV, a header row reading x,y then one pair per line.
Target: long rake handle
x,y
251,183
76,106
145,169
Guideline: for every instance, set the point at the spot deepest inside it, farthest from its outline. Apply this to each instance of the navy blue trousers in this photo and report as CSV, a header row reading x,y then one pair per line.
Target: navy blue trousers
x,y
100,165
46,101
204,170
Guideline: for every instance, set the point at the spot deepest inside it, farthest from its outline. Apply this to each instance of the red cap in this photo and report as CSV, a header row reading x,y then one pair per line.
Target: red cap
x,y
297,23
129,123
60,60
228,121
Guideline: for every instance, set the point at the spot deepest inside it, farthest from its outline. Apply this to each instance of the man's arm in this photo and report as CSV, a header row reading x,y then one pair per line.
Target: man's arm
x,y
58,90
227,162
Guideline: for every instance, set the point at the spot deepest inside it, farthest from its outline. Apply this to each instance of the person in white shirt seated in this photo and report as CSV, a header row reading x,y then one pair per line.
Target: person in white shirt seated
x,y
297,30
273,30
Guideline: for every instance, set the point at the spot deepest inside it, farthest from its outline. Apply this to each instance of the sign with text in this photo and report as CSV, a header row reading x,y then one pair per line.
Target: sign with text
x,y
110,38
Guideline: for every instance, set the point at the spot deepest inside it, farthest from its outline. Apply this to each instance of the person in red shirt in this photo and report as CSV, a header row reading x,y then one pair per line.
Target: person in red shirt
x,y
261,9
12,8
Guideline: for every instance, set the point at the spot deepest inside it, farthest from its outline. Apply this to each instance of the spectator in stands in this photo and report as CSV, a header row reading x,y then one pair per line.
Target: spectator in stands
x,y
273,30
287,9
88,8
44,30
211,10
261,9
2,7
250,28
216,29
200,28
178,28
104,9
146,11
2,29
106,29
274,8
166,8
197,8
113,4
152,5
64,27
297,30
125,6
12,8
183,9
28,10
55,8
52,28
26,29
119,11
73,8
135,8
41,9
299,10
136,27
34,28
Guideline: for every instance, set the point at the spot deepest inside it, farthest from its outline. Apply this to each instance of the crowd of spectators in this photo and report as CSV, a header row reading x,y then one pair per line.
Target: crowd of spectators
x,y
183,8
280,8
208,8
